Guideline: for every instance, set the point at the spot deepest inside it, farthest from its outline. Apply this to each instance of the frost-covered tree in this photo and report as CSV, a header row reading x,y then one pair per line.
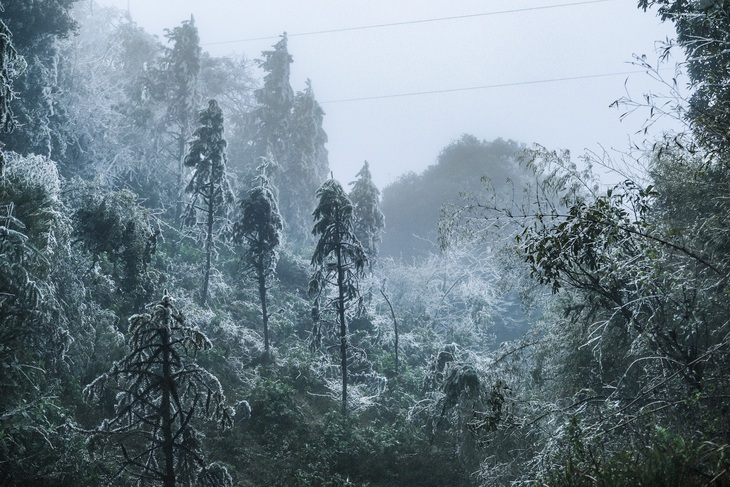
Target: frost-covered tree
x,y
160,392
259,232
230,80
369,220
702,32
35,332
115,121
9,64
210,192
289,128
275,99
339,261
182,69
37,27
115,229
304,166
10,67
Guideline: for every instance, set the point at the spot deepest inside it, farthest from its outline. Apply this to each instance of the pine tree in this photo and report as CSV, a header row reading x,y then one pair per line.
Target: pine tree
x,y
180,81
270,120
339,260
369,220
259,231
211,196
160,391
305,165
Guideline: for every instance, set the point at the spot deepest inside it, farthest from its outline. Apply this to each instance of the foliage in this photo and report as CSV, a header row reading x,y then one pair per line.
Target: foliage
x,y
37,447
114,229
42,127
629,337
339,260
702,34
10,67
211,195
259,232
412,205
160,390
304,166
369,220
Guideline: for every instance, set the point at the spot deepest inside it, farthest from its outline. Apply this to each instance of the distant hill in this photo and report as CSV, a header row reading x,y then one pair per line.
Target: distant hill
x,y
412,203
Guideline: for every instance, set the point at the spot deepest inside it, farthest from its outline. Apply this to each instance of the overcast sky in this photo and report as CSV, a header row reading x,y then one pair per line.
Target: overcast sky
x,y
542,71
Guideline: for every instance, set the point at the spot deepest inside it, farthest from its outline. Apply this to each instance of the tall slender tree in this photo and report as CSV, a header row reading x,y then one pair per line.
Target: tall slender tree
x,y
369,220
259,232
270,120
181,72
211,196
305,165
339,260
160,391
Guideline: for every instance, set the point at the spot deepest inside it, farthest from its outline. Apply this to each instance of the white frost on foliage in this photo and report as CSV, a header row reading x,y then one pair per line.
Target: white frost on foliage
x,y
34,170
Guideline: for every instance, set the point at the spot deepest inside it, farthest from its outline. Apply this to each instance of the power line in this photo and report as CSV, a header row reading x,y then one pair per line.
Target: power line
x,y
411,22
482,87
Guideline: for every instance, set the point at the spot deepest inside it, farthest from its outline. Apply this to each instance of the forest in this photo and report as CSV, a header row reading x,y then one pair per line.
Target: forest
x,y
189,298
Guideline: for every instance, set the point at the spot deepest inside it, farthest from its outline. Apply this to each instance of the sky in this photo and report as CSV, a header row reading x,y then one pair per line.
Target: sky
x,y
400,80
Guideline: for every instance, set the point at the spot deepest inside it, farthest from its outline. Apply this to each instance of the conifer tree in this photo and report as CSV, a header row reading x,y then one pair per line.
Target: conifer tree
x,y
369,220
275,99
211,196
305,165
339,260
160,391
259,231
183,68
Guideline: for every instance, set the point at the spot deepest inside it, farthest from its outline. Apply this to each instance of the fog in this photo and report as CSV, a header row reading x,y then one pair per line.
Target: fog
x,y
401,80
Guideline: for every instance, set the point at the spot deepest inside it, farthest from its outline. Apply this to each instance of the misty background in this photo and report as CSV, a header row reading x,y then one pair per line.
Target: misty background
x,y
401,80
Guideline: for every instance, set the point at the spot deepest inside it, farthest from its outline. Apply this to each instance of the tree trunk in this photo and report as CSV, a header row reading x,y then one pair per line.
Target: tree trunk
x,y
261,275
341,310
168,440
208,245
182,143
395,329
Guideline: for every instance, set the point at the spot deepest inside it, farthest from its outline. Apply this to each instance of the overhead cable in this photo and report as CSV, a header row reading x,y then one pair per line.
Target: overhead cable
x,y
410,22
483,87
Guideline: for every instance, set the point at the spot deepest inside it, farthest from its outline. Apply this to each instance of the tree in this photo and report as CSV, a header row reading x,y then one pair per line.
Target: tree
x,y
276,98
230,81
181,71
10,67
304,166
369,220
34,332
702,32
43,127
635,336
108,107
211,196
160,391
115,229
412,204
259,231
339,260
